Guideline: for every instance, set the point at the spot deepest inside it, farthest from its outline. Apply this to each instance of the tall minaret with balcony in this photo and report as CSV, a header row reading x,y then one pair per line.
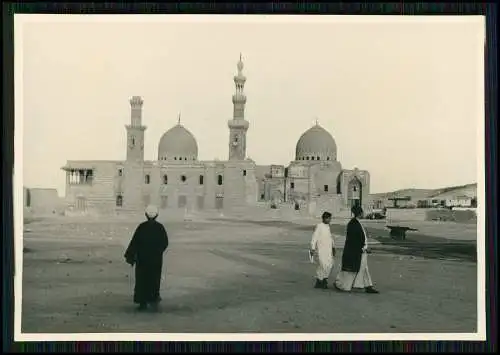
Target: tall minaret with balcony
x,y
238,126
135,131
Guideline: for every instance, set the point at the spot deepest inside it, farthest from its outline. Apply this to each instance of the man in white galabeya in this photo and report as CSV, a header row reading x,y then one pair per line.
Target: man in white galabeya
x,y
323,250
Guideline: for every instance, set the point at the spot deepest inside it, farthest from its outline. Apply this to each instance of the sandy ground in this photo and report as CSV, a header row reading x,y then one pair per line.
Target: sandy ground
x,y
239,276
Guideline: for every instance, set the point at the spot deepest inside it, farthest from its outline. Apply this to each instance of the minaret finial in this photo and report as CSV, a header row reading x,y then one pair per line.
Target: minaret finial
x,y
317,123
240,64
179,119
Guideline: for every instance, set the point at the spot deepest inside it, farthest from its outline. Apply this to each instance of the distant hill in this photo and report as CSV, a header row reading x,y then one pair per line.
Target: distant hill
x,y
422,194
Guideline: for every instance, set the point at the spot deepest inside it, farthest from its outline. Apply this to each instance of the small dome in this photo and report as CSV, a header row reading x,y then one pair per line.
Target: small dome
x,y
316,144
178,144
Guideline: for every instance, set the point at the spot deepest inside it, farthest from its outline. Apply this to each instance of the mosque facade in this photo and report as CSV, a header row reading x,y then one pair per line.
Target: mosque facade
x,y
177,180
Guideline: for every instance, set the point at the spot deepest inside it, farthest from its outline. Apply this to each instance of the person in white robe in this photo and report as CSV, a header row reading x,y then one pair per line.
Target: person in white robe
x,y
355,273
323,250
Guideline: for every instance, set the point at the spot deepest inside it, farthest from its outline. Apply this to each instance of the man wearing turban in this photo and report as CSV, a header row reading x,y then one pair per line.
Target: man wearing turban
x,y
354,272
145,252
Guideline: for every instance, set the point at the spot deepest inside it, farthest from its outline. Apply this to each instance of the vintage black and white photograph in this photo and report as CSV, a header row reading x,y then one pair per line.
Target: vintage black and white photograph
x,y
273,177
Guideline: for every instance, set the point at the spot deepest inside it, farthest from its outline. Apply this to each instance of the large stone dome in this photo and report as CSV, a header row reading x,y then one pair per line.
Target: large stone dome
x,y
316,144
178,144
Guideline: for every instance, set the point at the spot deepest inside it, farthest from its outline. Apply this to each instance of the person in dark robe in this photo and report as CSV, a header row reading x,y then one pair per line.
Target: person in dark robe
x,y
354,272
145,252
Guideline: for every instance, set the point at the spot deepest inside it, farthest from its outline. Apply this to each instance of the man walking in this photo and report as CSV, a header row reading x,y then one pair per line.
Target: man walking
x,y
145,251
322,247
355,273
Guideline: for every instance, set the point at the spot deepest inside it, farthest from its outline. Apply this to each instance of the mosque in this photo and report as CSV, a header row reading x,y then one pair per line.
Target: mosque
x,y
177,180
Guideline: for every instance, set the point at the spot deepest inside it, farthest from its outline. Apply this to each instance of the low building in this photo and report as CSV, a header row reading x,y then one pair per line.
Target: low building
x,y
459,201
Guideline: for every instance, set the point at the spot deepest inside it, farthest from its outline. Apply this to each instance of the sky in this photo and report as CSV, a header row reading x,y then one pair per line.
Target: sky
x,y
402,96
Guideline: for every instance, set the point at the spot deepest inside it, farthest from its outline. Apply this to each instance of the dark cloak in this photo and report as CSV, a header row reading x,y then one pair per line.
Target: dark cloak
x,y
145,251
353,248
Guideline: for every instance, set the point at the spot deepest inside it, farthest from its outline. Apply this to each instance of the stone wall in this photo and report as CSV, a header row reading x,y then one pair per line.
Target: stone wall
x,y
196,186
133,186
431,214
404,214
330,203
183,188
251,185
459,216
234,184
96,195
325,175
44,201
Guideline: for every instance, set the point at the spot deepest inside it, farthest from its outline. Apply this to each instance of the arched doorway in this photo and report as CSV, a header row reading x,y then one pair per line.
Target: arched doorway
x,y
355,192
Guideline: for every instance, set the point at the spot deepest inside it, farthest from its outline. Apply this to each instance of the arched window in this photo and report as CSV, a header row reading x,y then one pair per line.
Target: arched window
x,y
119,201
201,180
165,179
244,173
317,158
327,158
339,190
185,158
219,180
183,178
147,179
307,158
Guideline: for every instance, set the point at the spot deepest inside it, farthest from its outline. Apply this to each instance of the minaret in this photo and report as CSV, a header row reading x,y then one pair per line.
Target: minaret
x,y
238,126
135,131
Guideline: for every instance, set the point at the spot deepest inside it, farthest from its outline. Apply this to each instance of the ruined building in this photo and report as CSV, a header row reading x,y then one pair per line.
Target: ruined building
x,y
176,179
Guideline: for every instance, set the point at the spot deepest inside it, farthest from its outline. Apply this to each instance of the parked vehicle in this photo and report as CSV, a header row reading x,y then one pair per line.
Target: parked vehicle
x,y
375,215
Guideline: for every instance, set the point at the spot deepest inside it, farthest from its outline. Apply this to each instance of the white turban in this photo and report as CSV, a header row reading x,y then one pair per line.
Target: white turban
x,y
151,211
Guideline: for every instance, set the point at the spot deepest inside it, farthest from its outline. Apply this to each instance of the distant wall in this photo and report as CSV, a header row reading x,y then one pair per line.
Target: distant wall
x,y
404,214
459,216
430,214
44,201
